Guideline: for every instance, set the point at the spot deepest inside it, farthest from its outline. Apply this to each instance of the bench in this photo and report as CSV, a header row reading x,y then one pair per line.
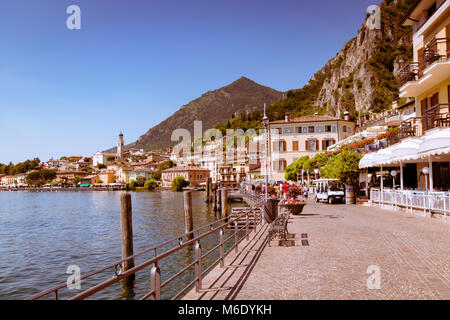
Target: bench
x,y
278,228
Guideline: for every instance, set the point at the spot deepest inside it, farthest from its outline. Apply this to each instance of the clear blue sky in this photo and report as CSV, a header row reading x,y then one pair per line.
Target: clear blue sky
x,y
135,62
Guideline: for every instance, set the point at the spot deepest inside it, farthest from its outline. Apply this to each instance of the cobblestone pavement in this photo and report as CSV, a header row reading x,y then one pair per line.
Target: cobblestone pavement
x,y
334,246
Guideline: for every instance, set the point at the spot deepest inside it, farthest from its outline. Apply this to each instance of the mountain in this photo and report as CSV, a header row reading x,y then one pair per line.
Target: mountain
x,y
241,96
361,78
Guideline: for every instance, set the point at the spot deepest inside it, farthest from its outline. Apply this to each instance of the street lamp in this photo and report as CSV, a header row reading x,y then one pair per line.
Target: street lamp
x,y
426,171
393,174
316,171
265,124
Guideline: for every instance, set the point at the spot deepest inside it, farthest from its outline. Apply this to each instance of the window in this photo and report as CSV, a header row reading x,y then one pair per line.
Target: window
x,y
305,129
327,128
289,130
344,128
294,145
311,129
312,145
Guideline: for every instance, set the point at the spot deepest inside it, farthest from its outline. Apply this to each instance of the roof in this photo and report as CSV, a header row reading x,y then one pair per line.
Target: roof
x,y
185,168
308,119
410,10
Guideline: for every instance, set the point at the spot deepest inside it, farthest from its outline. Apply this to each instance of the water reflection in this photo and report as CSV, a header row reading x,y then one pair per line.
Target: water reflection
x,y
42,233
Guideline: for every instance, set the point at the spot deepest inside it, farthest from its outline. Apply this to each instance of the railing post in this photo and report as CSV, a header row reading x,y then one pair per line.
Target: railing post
x,y
221,248
247,228
198,266
236,238
155,281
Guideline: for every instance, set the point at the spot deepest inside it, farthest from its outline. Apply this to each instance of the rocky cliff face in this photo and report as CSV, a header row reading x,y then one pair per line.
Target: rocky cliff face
x,y
362,76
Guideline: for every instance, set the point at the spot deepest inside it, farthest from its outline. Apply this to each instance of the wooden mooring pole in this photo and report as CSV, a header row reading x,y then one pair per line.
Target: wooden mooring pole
x,y
126,222
218,199
188,221
208,190
224,202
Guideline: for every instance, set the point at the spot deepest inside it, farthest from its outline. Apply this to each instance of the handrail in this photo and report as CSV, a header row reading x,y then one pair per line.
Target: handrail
x,y
218,225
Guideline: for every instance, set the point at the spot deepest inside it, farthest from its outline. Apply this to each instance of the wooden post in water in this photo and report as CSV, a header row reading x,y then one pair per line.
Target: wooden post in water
x,y
214,199
126,222
210,198
188,221
224,202
208,190
219,199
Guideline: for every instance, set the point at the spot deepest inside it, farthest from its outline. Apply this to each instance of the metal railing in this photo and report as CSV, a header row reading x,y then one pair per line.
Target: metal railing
x,y
221,227
437,50
413,200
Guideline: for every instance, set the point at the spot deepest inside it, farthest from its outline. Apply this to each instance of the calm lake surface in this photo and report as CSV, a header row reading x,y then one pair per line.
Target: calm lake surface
x,y
42,233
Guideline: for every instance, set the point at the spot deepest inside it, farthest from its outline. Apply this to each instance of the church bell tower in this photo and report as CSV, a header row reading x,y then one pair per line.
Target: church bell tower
x,y
120,146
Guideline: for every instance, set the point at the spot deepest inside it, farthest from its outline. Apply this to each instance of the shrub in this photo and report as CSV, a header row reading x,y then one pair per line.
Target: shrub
x,y
179,183
150,184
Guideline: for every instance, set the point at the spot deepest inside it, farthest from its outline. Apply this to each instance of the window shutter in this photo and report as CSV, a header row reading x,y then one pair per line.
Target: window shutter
x,y
434,99
284,145
276,145
276,165
306,145
324,145
294,145
334,141
317,144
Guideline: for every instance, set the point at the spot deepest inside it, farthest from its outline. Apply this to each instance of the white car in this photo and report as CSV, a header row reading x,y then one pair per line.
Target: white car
x,y
329,190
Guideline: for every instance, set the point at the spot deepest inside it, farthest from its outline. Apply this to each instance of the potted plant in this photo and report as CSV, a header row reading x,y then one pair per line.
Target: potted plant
x,y
291,204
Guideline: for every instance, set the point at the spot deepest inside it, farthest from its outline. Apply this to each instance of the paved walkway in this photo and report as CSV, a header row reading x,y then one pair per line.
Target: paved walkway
x,y
331,249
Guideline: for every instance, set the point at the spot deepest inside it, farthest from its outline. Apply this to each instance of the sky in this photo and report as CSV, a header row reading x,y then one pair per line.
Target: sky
x,y
133,62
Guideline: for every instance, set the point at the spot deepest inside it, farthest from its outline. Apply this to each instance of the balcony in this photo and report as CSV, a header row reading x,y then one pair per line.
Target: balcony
x,y
432,68
437,116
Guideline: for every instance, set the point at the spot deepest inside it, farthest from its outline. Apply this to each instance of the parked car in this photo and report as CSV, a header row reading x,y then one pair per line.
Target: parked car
x,y
329,190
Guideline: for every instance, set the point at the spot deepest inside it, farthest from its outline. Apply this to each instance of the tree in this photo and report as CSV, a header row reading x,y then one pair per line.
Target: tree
x,y
76,180
111,158
99,181
34,178
151,184
140,181
47,174
343,166
179,183
166,165
293,169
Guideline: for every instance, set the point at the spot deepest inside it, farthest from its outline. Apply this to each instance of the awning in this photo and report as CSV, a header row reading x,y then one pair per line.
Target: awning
x,y
436,142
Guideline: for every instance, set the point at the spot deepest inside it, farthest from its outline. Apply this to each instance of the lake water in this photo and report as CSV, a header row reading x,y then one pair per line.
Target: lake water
x,y
42,233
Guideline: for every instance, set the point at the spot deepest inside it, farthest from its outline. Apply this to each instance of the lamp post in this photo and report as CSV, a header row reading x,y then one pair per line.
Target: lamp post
x,y
426,171
316,171
393,174
265,123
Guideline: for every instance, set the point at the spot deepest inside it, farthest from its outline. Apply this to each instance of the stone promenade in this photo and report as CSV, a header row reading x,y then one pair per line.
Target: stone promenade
x,y
328,256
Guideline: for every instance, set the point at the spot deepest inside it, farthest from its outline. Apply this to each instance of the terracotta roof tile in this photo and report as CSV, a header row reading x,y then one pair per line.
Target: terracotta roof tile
x,y
307,119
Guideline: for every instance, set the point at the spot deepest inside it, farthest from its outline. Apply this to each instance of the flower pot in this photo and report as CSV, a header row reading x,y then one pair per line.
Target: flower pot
x,y
294,209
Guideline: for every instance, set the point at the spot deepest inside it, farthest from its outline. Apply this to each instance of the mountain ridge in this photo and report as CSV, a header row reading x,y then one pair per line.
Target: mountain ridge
x,y
241,96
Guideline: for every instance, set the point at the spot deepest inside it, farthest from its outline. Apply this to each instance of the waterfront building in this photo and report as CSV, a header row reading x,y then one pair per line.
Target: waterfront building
x,y
14,180
134,173
102,158
107,177
420,153
195,175
293,138
69,175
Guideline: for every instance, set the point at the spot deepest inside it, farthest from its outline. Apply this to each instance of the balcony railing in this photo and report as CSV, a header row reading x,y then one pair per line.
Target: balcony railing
x,y
435,117
437,50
